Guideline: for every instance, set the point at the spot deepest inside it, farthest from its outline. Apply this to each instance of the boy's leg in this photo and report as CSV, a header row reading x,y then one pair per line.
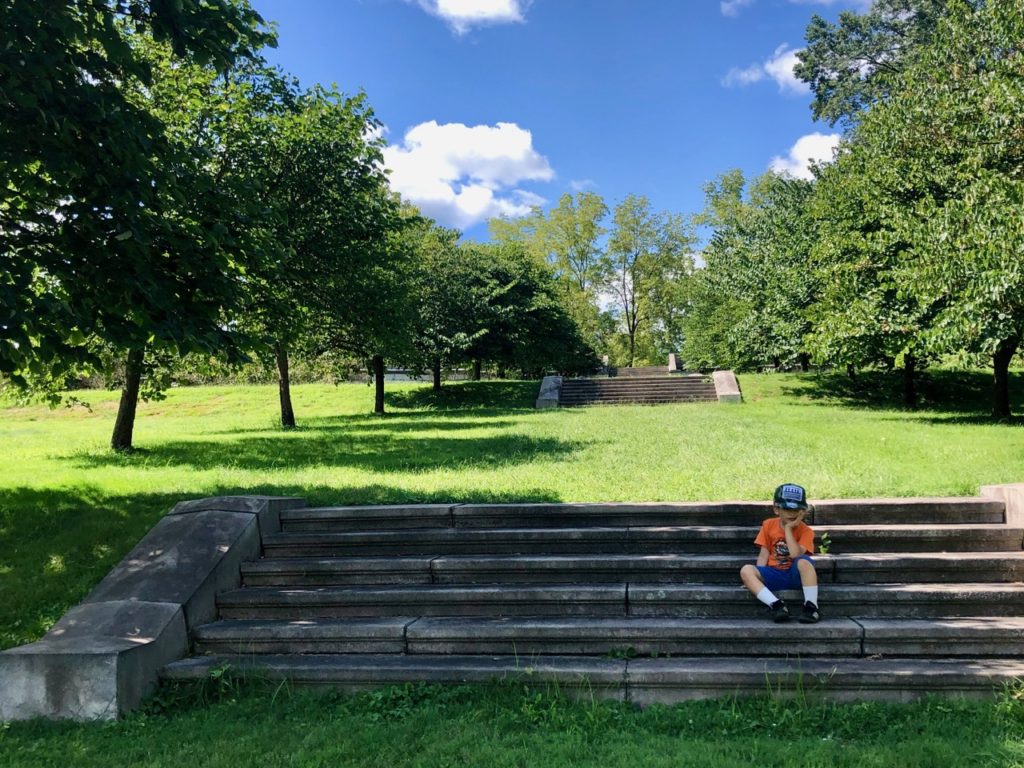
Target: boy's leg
x,y
809,582
808,578
752,580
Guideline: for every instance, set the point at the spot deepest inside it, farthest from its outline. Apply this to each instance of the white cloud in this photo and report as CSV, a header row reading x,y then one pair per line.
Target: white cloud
x,y
462,15
733,7
812,148
779,68
582,185
462,175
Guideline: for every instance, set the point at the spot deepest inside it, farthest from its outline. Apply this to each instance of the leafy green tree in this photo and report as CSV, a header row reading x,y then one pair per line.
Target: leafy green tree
x,y
856,62
647,252
569,239
111,228
945,157
750,298
865,313
332,213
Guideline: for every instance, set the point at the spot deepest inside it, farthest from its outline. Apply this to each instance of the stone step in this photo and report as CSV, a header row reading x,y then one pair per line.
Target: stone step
x,y
830,511
636,400
905,567
613,385
639,681
637,539
622,636
593,600
587,636
908,601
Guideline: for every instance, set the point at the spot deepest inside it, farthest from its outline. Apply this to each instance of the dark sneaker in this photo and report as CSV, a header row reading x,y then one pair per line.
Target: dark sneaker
x,y
810,614
779,612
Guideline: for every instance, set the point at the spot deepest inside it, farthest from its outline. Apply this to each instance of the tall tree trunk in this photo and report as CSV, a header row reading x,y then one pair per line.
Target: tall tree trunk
x,y
477,369
378,384
910,383
284,386
632,347
1001,377
805,362
436,368
124,425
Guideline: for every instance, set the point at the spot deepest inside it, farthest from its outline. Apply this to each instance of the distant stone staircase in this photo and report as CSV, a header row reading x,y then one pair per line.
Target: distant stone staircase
x,y
638,388
635,601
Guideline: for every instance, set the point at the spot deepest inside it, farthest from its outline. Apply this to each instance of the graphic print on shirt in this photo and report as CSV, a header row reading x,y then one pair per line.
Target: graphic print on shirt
x,y
782,554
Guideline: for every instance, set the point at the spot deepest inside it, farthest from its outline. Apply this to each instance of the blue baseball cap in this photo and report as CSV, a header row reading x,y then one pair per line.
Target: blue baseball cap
x,y
790,496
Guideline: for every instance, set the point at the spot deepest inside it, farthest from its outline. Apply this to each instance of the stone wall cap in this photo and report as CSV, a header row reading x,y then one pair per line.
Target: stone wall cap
x,y
251,504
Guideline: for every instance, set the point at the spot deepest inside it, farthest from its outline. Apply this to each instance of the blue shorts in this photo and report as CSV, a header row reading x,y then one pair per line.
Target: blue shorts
x,y
779,578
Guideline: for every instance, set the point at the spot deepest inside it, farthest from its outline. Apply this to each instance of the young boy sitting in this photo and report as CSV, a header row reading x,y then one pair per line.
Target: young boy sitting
x,y
785,542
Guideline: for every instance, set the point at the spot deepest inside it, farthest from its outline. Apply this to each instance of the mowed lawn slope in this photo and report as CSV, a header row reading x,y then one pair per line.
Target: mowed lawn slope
x,y
70,509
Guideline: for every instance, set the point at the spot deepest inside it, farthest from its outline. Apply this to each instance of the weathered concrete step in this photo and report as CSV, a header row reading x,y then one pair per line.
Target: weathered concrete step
x,y
434,600
966,636
628,635
637,385
830,511
578,636
662,600
636,539
366,635
909,601
638,400
906,567
509,569
928,567
313,571
919,510
640,681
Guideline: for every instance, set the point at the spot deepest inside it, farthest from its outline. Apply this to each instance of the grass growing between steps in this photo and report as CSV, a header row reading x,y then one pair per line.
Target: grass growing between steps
x,y
70,509
514,726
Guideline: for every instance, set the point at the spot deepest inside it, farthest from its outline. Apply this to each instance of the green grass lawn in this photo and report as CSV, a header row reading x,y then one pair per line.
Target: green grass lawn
x,y
70,509
513,726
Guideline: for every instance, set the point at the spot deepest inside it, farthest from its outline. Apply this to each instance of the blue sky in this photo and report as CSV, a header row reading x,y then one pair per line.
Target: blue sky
x,y
495,105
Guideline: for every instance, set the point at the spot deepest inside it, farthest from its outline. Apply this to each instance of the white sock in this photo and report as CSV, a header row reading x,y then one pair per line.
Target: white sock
x,y
811,594
766,596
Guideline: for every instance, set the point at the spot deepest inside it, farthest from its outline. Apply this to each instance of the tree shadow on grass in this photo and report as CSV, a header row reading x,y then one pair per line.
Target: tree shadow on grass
x,y
56,544
372,451
944,397
420,421
490,396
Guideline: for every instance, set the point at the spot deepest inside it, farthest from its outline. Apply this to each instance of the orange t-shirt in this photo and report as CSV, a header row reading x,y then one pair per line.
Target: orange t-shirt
x,y
773,538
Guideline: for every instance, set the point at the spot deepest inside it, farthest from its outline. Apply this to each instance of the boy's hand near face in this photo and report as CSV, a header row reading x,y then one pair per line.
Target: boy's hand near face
x,y
793,519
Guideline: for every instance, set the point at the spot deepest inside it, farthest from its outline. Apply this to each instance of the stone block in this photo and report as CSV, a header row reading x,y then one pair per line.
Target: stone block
x,y
550,389
97,662
1012,495
185,559
266,508
727,389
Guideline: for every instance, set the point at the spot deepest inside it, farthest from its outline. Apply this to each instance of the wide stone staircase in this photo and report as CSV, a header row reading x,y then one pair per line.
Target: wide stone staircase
x,y
634,601
638,388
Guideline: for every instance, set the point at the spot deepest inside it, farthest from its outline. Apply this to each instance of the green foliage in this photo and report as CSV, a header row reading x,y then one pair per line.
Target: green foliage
x,y
110,227
649,261
942,159
569,240
749,301
854,63
493,303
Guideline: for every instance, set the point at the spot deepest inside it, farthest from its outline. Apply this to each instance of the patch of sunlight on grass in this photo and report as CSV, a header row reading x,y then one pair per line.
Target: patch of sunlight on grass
x,y
54,564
